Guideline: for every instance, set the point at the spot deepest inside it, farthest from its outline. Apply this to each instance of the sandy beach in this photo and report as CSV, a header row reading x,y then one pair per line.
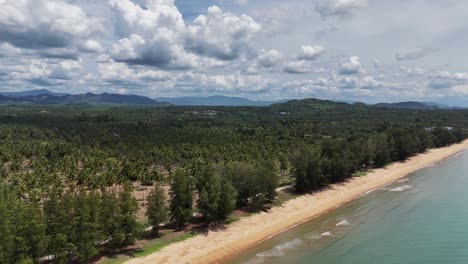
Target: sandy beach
x,y
216,246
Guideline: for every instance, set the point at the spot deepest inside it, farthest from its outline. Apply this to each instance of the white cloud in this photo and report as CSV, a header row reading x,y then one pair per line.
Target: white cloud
x,y
350,66
445,80
231,83
310,52
269,58
43,72
66,70
298,67
221,35
91,46
157,35
151,36
118,72
42,24
370,83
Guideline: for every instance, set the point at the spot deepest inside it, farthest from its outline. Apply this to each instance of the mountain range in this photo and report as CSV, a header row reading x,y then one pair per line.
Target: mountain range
x,y
32,93
216,100
417,105
48,97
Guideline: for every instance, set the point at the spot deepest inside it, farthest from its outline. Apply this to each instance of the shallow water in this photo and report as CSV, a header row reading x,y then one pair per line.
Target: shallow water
x,y
422,218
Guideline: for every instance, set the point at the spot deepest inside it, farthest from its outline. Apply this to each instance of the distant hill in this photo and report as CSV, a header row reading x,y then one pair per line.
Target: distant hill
x,y
216,100
417,106
106,98
88,98
308,105
32,93
311,105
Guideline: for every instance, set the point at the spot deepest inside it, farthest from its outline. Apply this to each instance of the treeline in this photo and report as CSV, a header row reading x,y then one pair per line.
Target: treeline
x,y
66,226
75,225
335,160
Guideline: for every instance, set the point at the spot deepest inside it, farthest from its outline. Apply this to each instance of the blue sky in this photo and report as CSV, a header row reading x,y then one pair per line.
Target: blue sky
x,y
357,50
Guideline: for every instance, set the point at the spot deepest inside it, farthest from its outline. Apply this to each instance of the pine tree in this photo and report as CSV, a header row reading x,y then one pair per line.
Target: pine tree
x,y
128,221
209,195
86,233
227,201
8,205
181,198
30,238
157,210
109,220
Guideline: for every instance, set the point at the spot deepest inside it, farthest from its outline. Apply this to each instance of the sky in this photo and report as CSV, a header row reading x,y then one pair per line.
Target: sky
x,y
353,50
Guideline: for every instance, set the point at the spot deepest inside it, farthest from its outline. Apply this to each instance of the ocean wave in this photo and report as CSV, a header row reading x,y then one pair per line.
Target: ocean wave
x,y
401,189
368,192
343,223
404,180
326,234
278,251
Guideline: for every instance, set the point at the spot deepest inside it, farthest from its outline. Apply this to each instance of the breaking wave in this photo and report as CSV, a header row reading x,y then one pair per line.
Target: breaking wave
x,y
278,251
343,223
401,189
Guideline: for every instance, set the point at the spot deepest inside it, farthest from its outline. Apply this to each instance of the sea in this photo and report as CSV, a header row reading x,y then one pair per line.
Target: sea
x,y
422,218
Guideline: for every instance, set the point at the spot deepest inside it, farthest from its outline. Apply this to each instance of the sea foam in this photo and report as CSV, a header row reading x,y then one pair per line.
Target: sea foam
x,y
343,223
326,234
278,251
401,189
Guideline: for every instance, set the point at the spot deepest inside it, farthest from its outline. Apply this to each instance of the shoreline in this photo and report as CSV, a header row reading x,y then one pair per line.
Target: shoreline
x,y
217,246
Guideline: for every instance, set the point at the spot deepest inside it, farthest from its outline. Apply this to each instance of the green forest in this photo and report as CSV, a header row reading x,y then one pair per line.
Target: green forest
x,y
77,182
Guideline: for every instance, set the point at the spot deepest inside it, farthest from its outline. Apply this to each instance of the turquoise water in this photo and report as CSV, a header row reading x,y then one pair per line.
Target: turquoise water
x,y
420,219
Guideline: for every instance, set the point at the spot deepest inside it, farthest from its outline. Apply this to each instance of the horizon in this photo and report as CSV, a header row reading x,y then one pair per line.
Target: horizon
x,y
234,97
260,50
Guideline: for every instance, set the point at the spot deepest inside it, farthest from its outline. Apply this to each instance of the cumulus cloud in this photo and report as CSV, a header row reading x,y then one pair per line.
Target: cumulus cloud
x,y
65,70
340,85
43,72
338,8
303,61
269,58
371,83
152,35
445,80
298,67
158,36
91,46
308,52
350,66
120,73
221,35
418,53
231,83
347,82
41,24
